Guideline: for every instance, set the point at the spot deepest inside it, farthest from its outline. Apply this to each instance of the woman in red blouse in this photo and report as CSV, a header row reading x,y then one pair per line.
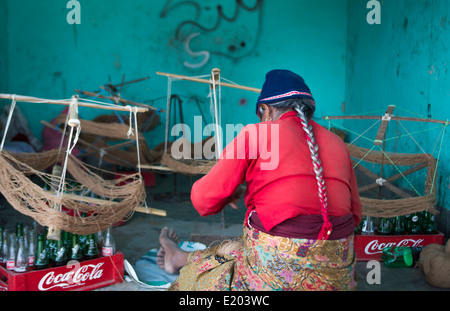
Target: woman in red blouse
x,y
301,197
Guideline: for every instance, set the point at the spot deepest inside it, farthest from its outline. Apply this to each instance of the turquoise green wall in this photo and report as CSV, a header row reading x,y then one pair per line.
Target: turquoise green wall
x,y
3,46
50,58
402,62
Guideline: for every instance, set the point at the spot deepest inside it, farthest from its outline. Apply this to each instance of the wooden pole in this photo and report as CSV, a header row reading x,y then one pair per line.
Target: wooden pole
x,y
141,209
156,168
30,99
118,99
392,178
380,117
236,86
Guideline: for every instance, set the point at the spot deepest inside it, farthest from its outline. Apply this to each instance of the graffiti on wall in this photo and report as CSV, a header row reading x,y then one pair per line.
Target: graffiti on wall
x,y
214,28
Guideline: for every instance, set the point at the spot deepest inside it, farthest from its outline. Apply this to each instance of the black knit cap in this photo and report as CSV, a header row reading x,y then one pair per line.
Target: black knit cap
x,y
283,84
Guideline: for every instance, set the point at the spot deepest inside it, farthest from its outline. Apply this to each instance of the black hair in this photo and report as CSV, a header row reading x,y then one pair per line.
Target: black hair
x,y
302,104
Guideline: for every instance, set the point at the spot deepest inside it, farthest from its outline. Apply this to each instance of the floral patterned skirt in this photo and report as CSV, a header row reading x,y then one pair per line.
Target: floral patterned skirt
x,y
259,261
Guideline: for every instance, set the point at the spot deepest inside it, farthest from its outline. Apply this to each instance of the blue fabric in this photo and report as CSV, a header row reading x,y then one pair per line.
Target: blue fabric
x,y
150,273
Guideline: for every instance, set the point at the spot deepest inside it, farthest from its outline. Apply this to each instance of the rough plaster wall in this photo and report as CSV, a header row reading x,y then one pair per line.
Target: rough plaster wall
x,y
403,62
3,46
50,58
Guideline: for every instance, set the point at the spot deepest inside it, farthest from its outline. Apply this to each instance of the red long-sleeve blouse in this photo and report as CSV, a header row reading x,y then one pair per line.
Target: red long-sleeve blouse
x,y
274,161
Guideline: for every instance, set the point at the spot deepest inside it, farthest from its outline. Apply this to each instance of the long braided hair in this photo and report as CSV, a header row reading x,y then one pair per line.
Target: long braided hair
x,y
305,112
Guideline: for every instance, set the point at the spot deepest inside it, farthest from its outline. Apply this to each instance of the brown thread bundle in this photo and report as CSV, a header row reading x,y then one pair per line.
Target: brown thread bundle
x,y
404,206
123,196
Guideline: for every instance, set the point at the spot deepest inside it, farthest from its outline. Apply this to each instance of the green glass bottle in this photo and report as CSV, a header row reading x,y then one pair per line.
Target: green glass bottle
x,y
91,250
83,241
429,225
68,241
19,230
41,260
385,226
415,224
50,246
399,226
76,249
400,256
407,222
61,257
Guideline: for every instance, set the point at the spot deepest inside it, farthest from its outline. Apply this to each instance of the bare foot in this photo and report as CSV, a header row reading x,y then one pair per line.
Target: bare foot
x,y
170,257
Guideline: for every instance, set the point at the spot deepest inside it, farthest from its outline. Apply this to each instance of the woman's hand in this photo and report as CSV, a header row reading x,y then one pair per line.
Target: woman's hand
x,y
237,195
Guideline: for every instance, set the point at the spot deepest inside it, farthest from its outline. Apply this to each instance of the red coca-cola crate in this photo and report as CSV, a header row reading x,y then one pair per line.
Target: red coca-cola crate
x,y
370,247
82,276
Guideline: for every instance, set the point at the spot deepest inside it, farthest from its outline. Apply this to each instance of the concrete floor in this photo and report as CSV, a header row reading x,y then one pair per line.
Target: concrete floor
x,y
141,233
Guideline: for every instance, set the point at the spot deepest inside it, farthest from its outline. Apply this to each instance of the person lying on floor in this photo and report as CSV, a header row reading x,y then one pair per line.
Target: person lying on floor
x,y
302,203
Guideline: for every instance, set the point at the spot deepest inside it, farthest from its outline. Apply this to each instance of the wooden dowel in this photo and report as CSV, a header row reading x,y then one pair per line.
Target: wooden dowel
x,y
86,199
388,181
30,99
120,145
153,211
181,77
119,99
394,177
380,117
156,167
129,82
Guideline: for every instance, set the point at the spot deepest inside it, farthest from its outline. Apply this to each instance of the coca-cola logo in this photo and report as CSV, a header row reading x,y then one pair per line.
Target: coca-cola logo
x,y
75,277
375,247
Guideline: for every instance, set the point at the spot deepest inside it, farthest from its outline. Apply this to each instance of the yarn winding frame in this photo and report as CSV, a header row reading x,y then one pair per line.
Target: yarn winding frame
x,y
196,166
82,214
407,202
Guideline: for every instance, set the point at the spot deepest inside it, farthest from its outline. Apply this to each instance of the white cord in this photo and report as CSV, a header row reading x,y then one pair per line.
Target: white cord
x,y
216,117
8,121
130,123
169,93
73,105
137,143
